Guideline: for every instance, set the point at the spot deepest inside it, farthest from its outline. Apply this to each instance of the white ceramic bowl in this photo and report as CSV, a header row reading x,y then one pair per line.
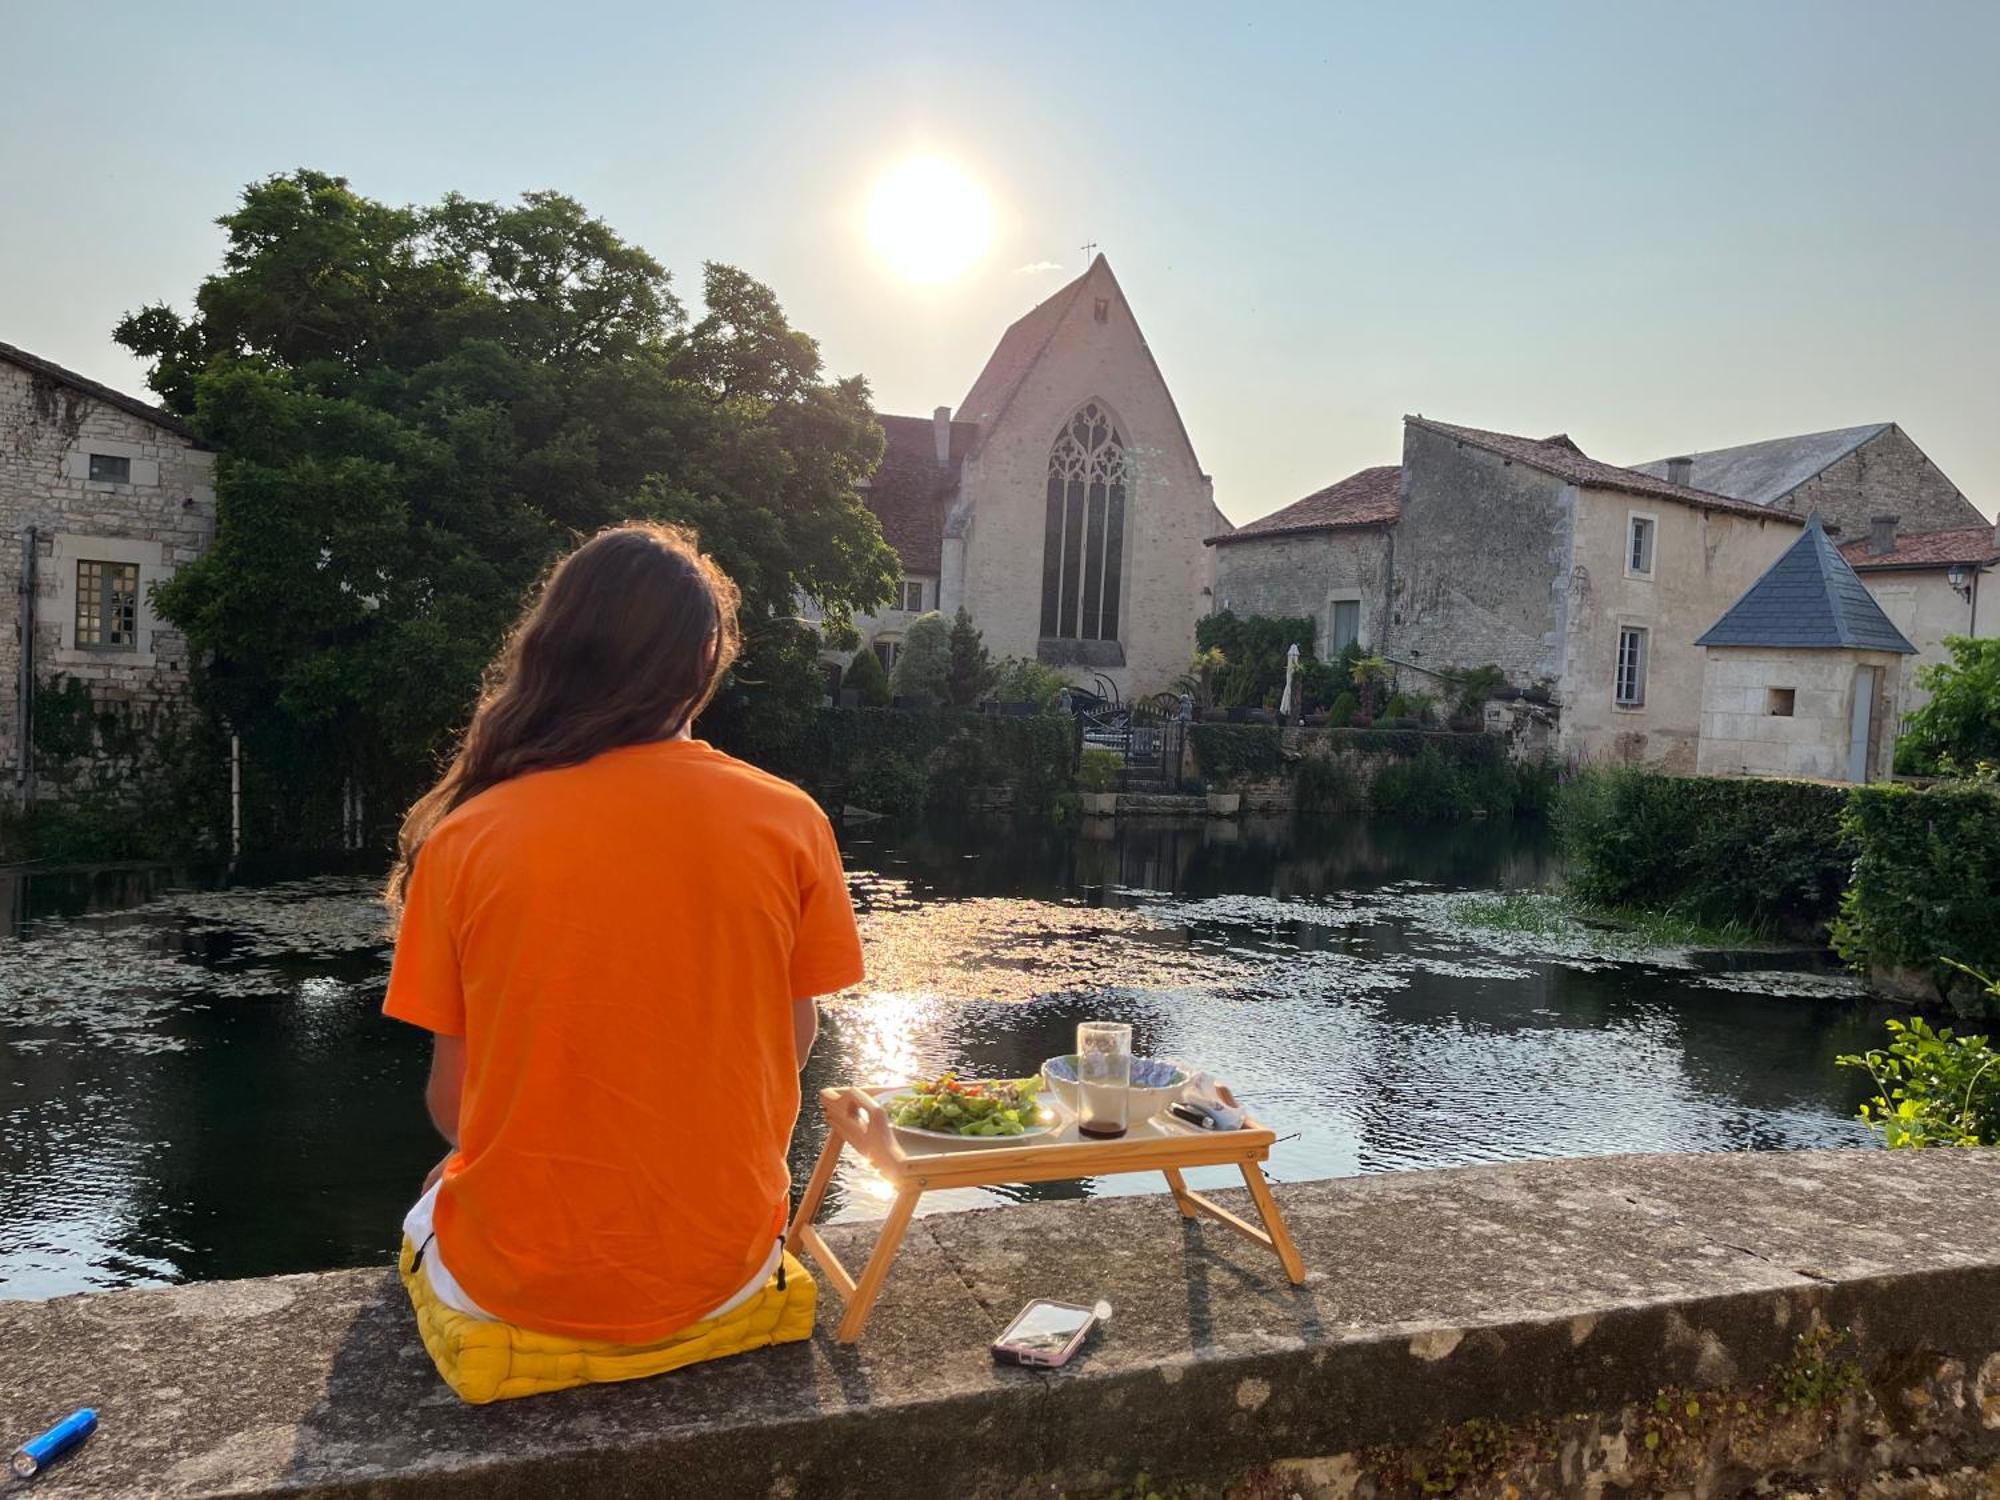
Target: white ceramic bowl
x,y
1155,1085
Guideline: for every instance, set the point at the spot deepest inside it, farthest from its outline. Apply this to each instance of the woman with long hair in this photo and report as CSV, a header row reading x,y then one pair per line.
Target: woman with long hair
x,y
615,933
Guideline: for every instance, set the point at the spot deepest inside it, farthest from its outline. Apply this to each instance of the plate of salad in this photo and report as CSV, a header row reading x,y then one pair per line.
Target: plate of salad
x,y
950,1112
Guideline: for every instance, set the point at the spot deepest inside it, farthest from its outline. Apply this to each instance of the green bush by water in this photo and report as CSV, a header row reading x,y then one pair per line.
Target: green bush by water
x,y
1933,1087
1770,854
933,758
1925,888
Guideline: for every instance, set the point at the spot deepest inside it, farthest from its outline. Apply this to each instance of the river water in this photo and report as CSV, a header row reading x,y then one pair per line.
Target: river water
x,y
195,1082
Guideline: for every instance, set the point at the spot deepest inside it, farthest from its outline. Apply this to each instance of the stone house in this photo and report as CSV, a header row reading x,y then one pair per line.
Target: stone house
x,y
1063,506
102,496
1934,585
1801,673
1581,579
1849,476
1326,557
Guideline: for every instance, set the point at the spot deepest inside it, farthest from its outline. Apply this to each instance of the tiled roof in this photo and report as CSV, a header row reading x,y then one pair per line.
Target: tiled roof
x,y
1930,549
1764,473
1016,353
1808,597
1561,457
1368,498
910,492
144,410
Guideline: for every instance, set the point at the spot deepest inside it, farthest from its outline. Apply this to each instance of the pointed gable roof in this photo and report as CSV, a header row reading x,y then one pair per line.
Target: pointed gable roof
x,y
145,411
1028,338
1809,597
1018,351
1764,473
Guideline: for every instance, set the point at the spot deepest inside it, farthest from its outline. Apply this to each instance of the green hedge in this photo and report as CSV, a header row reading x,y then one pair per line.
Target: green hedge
x,y
1926,882
1772,854
1245,752
933,757
1236,752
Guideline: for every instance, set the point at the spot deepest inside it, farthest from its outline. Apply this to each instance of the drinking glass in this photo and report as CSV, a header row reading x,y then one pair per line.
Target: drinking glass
x,y
1103,1077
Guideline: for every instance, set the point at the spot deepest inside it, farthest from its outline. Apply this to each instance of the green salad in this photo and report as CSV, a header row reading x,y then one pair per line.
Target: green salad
x,y
951,1106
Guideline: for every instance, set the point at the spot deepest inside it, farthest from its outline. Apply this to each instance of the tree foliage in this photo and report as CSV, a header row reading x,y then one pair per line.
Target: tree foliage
x,y
1959,727
970,675
868,681
922,673
417,409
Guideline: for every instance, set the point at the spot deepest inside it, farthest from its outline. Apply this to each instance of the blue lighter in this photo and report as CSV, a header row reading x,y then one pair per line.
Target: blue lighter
x,y
39,1452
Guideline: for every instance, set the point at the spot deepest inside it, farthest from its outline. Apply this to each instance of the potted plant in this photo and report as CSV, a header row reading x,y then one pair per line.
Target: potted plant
x,y
1097,776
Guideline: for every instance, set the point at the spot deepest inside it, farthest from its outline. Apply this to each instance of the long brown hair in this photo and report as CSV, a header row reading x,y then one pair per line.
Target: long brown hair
x,y
625,643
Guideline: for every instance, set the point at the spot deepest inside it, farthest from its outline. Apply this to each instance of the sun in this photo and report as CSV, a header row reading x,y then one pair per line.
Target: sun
x,y
928,219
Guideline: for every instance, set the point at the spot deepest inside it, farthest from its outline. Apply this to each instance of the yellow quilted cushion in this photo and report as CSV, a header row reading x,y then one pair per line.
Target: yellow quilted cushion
x,y
486,1361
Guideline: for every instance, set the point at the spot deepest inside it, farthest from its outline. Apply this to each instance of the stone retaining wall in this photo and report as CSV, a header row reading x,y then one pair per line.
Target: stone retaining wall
x,y
1832,1319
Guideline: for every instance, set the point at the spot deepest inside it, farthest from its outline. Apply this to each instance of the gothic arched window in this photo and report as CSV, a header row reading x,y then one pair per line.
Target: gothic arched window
x,y
1083,548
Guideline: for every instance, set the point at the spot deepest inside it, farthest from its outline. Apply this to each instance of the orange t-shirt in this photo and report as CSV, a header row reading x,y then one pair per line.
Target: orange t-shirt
x,y
620,943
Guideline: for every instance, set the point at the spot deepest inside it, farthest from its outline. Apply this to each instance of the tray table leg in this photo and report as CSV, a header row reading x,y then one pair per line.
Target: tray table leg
x,y
1274,1223
815,1194
876,1272
1180,1190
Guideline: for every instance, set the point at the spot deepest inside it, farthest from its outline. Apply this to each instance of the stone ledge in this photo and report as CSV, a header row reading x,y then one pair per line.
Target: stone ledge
x,y
1498,1293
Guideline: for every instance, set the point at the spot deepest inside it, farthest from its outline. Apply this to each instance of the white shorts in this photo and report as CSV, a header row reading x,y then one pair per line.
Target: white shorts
x,y
418,1225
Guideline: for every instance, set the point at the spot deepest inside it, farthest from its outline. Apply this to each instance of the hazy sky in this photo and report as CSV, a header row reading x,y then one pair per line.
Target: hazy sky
x,y
1657,227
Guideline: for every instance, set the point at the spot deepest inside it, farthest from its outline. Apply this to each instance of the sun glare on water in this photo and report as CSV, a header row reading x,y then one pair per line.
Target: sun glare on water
x,y
928,220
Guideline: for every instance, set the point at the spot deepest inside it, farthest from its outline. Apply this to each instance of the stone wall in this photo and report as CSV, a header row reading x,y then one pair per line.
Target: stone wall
x,y
163,518
1703,562
1304,574
1774,1321
1743,734
1887,475
1170,511
1482,557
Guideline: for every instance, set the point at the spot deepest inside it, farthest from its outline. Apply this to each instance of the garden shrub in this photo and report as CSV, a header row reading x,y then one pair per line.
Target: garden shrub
x,y
1099,770
1771,854
1341,714
1959,725
1227,753
1933,1087
1325,785
1026,680
845,749
868,681
889,783
922,672
1429,788
1253,649
1925,891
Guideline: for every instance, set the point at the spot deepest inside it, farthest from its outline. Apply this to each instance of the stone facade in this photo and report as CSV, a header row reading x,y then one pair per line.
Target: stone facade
x,y
1888,474
1307,573
157,513
1081,348
1499,561
1790,711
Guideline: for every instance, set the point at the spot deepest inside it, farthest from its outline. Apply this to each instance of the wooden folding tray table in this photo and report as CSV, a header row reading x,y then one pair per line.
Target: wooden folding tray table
x,y
855,1119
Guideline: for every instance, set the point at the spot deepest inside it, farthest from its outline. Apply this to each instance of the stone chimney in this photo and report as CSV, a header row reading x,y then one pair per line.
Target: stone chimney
x,y
1882,535
941,429
1680,471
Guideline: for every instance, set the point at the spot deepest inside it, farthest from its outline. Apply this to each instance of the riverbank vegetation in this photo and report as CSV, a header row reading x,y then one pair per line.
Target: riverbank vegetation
x,y
1903,881
1559,913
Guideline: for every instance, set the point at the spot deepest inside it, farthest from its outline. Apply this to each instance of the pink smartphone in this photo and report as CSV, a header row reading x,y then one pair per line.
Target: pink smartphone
x,y
1045,1334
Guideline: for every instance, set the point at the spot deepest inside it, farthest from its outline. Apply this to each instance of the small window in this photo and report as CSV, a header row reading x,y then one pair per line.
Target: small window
x,y
109,468
1629,691
912,598
1102,312
1639,547
107,605
885,652
1781,702
1346,625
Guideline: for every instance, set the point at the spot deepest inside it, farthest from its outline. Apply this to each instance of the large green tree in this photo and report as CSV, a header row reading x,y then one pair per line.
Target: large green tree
x,y
418,408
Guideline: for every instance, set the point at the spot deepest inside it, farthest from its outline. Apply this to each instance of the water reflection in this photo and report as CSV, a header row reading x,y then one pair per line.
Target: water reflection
x,y
195,1083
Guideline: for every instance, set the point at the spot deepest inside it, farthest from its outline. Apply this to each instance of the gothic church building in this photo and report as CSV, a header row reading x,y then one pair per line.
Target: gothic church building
x,y
1062,505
